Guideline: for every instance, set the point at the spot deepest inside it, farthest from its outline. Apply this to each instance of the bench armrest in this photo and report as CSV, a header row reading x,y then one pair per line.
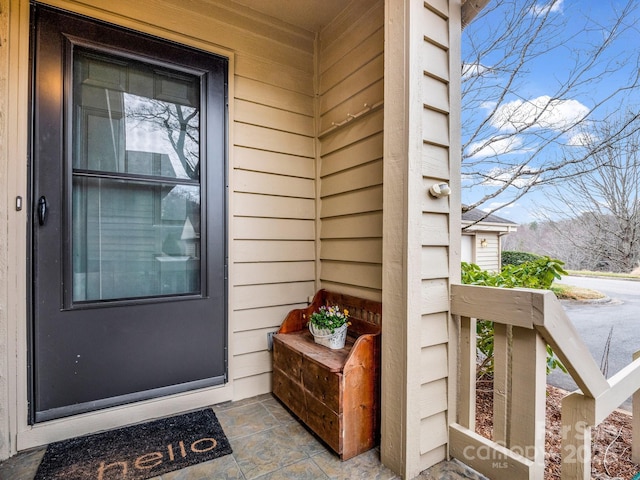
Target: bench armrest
x,y
297,319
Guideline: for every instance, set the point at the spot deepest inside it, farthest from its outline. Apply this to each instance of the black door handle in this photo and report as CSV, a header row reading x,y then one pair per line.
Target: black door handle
x,y
42,210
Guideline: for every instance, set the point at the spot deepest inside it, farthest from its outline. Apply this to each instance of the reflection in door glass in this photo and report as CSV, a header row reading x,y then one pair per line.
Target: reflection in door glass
x,y
166,129
134,239
136,189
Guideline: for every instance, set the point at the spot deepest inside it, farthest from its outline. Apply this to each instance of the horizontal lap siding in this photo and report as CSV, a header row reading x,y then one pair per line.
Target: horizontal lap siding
x,y
435,235
488,257
350,73
271,164
272,202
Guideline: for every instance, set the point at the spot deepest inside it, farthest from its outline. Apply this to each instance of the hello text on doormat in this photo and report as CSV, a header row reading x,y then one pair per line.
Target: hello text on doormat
x,y
137,452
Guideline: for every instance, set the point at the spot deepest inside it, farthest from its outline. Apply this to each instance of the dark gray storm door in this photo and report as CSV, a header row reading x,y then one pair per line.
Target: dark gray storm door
x,y
128,225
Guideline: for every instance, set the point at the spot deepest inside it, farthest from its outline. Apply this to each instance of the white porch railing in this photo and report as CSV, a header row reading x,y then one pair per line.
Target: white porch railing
x,y
525,321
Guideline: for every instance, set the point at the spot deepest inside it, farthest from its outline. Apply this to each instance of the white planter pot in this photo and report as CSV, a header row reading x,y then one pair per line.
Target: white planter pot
x,y
335,340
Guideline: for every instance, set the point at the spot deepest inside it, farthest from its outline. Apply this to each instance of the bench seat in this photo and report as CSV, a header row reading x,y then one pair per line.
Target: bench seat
x,y
336,393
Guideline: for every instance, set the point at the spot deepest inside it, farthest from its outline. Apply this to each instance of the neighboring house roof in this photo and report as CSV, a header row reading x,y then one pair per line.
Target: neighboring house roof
x,y
476,220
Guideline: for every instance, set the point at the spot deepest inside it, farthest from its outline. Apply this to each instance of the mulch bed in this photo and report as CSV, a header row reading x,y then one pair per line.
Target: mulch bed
x,y
611,440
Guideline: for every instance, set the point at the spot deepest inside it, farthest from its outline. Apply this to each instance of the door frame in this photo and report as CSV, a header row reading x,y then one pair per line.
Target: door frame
x,y
23,435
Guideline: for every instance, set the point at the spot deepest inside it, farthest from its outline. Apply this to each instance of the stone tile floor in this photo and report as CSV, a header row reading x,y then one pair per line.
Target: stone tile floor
x,y
268,444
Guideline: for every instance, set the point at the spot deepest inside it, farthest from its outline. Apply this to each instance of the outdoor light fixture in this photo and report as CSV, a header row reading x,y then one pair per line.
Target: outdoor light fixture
x,y
483,243
440,190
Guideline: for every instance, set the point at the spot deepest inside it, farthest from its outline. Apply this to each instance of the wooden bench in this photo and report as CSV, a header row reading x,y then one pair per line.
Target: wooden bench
x,y
336,393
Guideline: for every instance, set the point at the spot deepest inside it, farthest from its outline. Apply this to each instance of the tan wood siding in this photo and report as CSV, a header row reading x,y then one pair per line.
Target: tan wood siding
x,y
434,364
260,318
351,70
265,116
435,161
273,162
289,78
274,201
433,399
365,151
266,295
434,229
434,329
267,272
358,56
366,225
272,251
432,436
437,238
435,262
245,387
272,206
273,229
355,250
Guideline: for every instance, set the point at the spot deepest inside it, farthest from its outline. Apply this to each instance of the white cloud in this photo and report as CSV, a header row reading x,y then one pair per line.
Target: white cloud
x,y
540,112
494,147
582,139
497,177
488,105
474,70
467,179
493,206
543,9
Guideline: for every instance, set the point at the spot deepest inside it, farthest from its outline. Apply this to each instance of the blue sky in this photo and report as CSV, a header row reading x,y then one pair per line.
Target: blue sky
x,y
583,23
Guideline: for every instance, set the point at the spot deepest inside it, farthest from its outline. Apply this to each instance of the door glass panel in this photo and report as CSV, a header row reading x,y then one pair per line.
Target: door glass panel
x,y
136,180
134,239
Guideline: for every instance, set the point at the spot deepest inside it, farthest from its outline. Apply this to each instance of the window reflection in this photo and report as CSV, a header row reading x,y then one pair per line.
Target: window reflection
x,y
136,170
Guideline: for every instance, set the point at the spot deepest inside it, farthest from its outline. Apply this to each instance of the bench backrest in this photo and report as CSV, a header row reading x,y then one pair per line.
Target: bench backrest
x,y
365,315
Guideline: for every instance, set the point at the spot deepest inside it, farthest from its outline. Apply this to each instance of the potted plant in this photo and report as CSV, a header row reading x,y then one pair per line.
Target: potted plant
x,y
328,325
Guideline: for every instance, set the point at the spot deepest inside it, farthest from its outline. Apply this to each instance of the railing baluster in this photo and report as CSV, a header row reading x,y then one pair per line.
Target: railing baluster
x,y
501,382
576,436
467,387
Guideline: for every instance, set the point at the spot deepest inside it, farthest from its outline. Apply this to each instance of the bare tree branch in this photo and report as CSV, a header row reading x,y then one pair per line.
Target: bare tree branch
x,y
604,204
514,141
178,123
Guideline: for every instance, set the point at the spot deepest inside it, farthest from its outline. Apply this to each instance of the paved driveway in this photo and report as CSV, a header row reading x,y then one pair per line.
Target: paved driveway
x,y
594,321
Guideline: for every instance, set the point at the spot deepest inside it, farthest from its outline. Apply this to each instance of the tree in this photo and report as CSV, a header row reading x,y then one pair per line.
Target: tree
x,y
179,124
512,128
554,238
604,202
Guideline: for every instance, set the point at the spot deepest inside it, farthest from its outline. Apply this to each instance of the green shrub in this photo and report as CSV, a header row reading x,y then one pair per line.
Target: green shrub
x,y
537,273
510,257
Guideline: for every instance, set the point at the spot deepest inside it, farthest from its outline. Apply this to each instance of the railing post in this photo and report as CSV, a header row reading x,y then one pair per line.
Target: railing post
x,y
527,402
501,382
576,436
467,372
635,425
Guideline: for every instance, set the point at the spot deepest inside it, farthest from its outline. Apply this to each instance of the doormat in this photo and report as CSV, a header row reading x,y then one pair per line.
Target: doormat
x,y
137,452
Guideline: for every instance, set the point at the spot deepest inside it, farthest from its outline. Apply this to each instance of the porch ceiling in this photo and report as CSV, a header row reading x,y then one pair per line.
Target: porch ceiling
x,y
310,15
